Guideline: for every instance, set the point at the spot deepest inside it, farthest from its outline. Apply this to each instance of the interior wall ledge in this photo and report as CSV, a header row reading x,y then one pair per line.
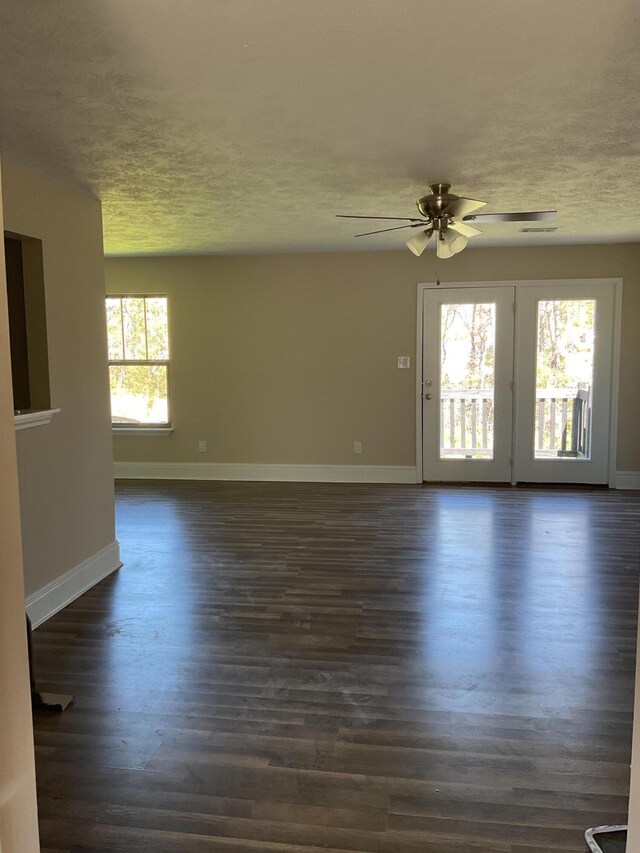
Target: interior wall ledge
x,y
37,417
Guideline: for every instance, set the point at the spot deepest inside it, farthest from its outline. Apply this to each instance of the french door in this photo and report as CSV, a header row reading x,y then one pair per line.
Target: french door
x,y
467,378
516,382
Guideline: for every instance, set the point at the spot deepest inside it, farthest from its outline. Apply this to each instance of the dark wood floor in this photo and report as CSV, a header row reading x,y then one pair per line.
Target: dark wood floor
x,y
394,669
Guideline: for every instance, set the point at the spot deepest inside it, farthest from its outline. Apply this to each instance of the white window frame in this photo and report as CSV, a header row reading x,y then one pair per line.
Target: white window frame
x,y
145,428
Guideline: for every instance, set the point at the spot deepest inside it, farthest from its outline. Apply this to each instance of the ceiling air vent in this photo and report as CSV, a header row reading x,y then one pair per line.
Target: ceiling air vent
x,y
538,230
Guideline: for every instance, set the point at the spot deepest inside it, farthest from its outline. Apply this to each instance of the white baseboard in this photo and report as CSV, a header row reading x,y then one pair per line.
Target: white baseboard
x,y
286,473
627,480
41,605
293,473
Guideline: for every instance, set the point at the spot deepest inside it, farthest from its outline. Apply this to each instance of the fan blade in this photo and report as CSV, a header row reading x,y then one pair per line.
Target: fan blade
x,y
459,208
531,216
465,230
382,230
403,218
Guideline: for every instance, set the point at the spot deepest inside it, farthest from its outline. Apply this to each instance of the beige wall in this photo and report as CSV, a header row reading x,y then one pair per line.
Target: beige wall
x,y
66,486
18,815
633,839
290,358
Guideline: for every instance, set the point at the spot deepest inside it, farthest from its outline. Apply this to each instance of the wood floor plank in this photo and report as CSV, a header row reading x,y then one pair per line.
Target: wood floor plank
x,y
292,668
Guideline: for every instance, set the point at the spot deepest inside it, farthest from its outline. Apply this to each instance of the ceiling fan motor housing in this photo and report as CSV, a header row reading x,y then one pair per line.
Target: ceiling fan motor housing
x,y
435,204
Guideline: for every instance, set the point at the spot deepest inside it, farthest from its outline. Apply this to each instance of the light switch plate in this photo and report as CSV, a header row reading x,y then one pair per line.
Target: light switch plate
x,y
404,361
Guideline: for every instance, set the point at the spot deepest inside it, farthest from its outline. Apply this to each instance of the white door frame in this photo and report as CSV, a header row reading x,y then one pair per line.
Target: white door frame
x,y
615,361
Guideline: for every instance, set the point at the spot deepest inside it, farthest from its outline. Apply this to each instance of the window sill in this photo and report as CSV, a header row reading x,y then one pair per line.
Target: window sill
x,y
141,430
26,420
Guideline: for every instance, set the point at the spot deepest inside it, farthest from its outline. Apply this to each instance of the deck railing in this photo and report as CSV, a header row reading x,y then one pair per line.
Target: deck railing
x,y
466,423
563,421
562,418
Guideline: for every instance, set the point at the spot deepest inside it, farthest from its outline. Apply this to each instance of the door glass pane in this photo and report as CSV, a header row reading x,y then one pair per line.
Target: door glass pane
x,y
564,378
467,354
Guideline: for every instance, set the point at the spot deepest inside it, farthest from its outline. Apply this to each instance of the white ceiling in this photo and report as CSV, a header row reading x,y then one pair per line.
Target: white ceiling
x,y
231,126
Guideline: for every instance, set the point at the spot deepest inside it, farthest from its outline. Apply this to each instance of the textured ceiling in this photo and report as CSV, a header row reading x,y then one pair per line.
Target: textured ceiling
x,y
231,126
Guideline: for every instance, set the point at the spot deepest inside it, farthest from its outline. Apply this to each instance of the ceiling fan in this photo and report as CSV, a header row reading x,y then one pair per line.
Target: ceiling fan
x,y
446,215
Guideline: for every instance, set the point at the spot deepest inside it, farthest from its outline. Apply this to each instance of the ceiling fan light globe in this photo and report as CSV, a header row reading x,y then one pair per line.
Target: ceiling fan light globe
x,y
443,249
458,244
453,241
418,243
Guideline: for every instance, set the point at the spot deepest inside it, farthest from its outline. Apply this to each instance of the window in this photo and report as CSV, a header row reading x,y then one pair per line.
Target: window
x,y
138,338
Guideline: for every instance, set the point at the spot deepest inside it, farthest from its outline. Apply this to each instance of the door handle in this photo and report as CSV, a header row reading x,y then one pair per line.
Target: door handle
x,y
428,396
